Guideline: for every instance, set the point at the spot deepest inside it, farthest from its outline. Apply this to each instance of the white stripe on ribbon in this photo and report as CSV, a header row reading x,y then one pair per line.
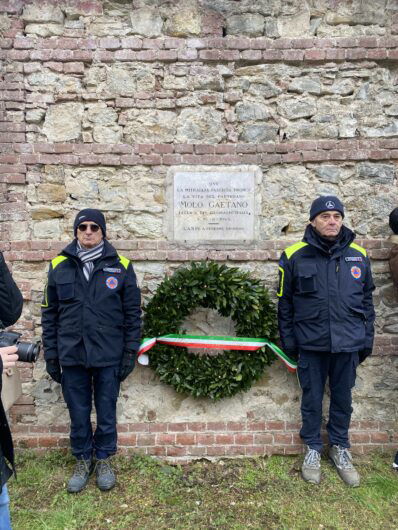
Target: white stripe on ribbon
x,y
225,343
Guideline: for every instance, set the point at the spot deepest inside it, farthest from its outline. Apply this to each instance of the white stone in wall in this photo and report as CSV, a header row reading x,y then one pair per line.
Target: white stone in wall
x,y
48,229
101,114
35,115
42,12
122,80
63,122
107,134
146,21
44,30
149,126
200,125
107,26
186,21
82,186
296,25
142,225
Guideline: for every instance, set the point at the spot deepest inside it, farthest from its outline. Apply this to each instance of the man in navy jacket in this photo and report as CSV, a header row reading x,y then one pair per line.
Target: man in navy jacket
x,y
326,318
91,319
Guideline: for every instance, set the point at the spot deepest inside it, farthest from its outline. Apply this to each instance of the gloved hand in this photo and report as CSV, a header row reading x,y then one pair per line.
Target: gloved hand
x,y
127,365
362,354
292,354
54,369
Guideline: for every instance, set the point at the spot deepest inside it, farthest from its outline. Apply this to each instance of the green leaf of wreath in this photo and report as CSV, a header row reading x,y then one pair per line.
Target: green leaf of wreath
x,y
233,293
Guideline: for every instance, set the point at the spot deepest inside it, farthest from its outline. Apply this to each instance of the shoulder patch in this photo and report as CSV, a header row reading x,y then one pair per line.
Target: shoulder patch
x,y
360,249
289,251
124,261
56,261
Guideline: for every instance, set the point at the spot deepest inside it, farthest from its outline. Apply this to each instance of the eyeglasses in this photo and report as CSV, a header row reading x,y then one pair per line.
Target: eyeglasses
x,y
83,227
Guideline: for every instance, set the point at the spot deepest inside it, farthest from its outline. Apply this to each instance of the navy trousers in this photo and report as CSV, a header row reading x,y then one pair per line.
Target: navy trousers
x,y
313,370
79,384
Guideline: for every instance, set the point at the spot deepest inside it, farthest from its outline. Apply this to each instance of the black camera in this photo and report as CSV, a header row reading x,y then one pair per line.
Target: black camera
x,y
28,352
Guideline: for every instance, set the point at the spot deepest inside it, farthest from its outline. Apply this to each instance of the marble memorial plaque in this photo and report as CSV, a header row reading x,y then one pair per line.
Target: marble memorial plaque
x,y
214,205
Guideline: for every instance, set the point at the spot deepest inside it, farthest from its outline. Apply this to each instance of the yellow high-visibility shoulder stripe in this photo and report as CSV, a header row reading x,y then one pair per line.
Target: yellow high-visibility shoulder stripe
x,y
56,261
360,249
281,282
289,251
124,261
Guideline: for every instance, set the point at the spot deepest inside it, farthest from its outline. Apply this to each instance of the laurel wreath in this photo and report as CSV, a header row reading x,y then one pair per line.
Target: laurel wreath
x,y
233,293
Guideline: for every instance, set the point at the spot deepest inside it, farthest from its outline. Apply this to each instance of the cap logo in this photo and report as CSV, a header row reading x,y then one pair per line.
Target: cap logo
x,y
330,205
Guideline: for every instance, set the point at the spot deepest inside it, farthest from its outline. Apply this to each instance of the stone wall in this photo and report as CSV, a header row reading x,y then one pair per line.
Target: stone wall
x,y
101,100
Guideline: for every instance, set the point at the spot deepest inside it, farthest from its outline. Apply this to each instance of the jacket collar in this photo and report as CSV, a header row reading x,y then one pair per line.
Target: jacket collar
x,y
346,237
71,250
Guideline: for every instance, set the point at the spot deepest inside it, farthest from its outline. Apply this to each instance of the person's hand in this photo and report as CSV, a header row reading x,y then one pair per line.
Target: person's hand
x,y
54,369
363,354
9,356
127,364
292,354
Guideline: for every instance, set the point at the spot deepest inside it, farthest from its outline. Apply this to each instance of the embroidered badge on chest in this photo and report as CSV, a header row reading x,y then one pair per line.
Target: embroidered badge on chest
x,y
353,258
111,282
356,272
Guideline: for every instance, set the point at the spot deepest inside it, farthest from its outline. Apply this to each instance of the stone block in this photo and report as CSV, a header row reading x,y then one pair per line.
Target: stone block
x,y
380,173
251,110
297,108
42,12
200,125
146,21
149,126
250,25
186,21
63,122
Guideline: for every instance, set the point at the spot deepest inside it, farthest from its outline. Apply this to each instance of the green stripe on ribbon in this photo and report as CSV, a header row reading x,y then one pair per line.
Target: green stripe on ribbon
x,y
215,342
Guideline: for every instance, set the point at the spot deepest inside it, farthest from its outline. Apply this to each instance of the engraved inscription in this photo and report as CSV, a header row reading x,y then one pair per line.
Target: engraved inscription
x,y
210,206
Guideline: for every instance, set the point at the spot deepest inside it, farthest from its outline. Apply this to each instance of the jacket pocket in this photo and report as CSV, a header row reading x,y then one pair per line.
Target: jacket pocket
x,y
65,285
307,273
357,312
303,373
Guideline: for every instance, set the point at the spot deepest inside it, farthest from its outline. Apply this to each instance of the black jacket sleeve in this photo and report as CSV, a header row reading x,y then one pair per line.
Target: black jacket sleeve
x,y
132,311
368,306
10,296
285,304
49,318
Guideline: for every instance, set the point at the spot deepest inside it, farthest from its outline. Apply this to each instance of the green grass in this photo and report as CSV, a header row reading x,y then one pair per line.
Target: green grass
x,y
263,493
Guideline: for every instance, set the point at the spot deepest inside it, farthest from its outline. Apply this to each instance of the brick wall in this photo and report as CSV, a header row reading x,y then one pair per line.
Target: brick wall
x,y
25,156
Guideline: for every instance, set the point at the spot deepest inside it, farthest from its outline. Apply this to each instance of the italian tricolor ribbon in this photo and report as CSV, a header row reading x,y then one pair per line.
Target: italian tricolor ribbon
x,y
215,343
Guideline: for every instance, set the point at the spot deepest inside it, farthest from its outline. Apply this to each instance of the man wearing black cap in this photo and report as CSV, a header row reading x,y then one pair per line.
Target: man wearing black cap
x,y
326,317
91,321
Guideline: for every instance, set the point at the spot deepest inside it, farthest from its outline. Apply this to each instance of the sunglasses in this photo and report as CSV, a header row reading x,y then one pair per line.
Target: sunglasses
x,y
83,227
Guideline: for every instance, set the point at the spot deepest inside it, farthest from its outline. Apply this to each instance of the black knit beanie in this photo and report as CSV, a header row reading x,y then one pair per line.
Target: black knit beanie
x,y
393,220
90,214
324,204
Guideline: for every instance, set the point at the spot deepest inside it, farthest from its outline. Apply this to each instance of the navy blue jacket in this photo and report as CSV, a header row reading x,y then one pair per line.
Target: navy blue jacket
x,y
91,323
325,295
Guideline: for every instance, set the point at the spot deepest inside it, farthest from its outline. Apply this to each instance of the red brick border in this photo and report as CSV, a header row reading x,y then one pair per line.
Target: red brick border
x,y
186,441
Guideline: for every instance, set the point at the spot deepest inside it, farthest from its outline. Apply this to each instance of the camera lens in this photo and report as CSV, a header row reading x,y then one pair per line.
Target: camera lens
x,y
28,352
